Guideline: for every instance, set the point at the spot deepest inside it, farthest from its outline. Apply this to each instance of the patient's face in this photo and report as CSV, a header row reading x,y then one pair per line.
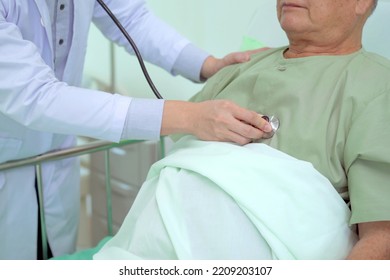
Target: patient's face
x,y
317,18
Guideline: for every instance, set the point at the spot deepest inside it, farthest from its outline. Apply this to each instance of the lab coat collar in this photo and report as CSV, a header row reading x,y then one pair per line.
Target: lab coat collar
x,y
45,20
83,11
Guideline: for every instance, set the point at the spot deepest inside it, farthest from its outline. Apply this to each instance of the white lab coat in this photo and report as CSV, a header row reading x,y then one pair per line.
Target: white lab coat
x,y
38,113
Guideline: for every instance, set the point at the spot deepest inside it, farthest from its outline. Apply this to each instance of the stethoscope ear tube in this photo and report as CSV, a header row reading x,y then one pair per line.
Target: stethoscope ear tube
x,y
135,48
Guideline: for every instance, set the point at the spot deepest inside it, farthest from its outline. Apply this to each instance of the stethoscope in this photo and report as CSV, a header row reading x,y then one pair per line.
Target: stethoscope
x,y
275,124
134,46
274,121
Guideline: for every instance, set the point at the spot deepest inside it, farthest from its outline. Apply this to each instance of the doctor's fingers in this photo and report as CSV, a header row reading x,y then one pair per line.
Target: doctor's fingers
x,y
233,130
253,124
219,132
255,51
244,133
223,120
239,57
212,64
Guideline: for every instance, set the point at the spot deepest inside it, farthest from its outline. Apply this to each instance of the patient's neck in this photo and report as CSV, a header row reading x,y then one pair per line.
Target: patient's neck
x,y
302,48
292,52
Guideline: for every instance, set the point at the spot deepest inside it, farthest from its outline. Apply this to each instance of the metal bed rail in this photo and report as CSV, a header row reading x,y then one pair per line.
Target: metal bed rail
x,y
95,146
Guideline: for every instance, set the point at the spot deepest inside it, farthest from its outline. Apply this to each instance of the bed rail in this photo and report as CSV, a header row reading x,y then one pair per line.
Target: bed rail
x,y
95,146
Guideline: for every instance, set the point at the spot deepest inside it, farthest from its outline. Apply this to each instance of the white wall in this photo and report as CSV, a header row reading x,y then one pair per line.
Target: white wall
x,y
217,26
376,35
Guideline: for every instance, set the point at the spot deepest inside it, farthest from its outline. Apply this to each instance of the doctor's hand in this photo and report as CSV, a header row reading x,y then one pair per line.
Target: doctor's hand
x,y
213,120
212,65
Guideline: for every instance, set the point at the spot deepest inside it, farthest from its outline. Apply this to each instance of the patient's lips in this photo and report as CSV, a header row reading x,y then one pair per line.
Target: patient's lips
x,y
291,5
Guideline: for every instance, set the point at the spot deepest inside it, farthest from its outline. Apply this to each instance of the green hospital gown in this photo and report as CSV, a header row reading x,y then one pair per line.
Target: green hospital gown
x,y
334,112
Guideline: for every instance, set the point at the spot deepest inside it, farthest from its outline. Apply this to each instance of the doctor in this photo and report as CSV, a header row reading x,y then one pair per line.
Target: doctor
x,y
43,44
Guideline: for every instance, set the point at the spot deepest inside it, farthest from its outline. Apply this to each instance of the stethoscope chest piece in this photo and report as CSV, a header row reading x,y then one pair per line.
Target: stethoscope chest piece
x,y
275,124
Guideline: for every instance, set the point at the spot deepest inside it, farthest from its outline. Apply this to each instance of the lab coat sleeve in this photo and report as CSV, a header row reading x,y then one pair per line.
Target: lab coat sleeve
x,y
144,119
189,63
32,96
158,43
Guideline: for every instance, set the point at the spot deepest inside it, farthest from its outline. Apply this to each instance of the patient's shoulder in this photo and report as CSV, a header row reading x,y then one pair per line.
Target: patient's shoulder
x,y
223,78
377,61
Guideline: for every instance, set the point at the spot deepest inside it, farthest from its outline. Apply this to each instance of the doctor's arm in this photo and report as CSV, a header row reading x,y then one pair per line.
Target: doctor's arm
x,y
213,120
374,242
32,97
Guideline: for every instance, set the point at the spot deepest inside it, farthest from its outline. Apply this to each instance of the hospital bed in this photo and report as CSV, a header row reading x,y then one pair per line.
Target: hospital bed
x,y
270,34
78,151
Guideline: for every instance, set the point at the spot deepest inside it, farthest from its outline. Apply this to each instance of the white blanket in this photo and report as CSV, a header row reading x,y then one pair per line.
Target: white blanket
x,y
210,200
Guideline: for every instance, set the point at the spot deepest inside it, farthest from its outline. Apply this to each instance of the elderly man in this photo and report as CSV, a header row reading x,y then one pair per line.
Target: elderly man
x,y
332,98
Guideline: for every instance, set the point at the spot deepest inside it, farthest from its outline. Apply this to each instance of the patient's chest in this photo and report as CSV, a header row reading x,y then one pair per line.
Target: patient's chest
x,y
312,102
